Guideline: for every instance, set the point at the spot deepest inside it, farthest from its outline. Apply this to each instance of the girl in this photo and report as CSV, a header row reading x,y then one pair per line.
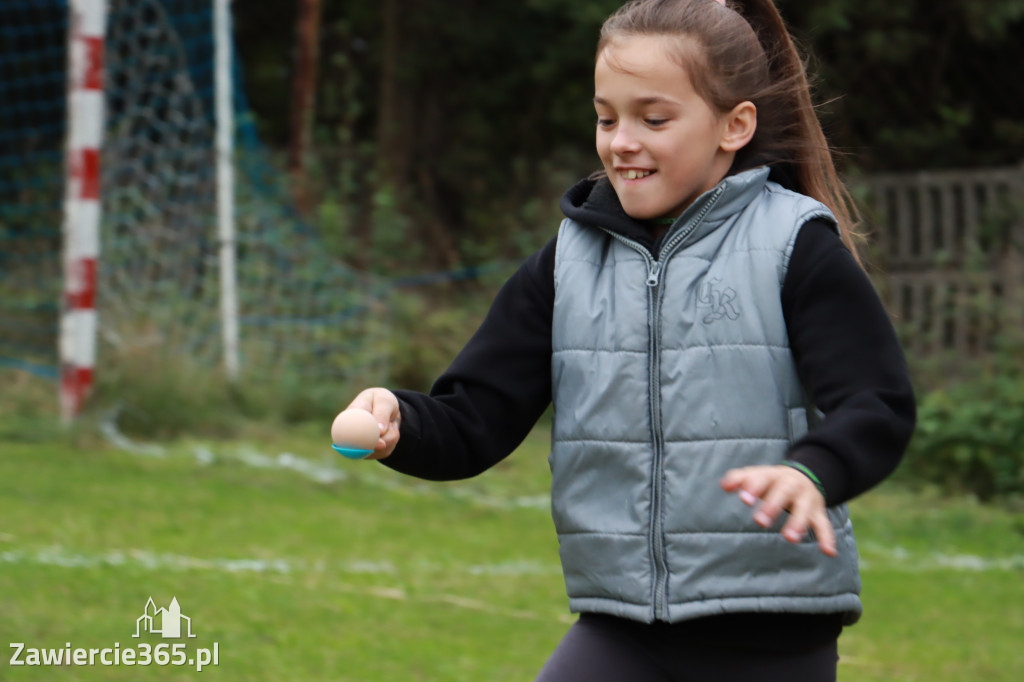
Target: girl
x,y
703,327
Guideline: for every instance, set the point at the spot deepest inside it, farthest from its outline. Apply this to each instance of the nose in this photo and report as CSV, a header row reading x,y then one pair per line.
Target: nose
x,y
624,141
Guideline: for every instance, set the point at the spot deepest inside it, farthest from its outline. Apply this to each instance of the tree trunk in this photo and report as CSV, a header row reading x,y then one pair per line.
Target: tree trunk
x,y
392,158
307,44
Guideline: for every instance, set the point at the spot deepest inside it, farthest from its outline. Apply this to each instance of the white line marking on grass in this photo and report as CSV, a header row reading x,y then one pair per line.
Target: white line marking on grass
x,y
58,556
110,431
477,605
398,594
847,660
901,559
204,455
286,460
515,568
325,473
328,473
55,555
541,502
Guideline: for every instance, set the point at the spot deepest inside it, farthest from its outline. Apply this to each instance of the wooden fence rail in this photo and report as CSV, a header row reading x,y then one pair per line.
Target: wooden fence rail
x,y
949,246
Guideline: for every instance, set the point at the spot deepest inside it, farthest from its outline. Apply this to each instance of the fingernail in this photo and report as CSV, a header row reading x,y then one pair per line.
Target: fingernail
x,y
381,427
747,498
762,518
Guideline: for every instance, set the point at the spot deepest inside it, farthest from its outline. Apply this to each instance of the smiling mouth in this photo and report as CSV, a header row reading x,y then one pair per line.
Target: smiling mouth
x,y
634,174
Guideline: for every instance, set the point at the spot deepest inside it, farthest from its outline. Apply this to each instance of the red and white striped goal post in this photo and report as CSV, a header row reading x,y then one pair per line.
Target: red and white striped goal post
x,y
81,228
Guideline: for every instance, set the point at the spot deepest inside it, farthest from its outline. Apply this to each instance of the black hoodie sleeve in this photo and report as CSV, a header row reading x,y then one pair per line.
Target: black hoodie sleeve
x,y
850,361
491,396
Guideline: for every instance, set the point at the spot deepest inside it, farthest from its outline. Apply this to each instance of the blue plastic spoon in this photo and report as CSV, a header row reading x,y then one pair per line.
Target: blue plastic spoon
x,y
351,453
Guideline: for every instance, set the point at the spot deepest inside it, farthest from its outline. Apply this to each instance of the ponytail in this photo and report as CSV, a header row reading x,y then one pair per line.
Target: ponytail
x,y
811,157
747,54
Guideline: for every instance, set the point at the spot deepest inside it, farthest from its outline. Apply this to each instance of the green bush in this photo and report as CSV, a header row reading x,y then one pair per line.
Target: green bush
x,y
970,438
29,408
159,395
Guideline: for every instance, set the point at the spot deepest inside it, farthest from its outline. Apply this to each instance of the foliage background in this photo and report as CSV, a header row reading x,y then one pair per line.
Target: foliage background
x,y
468,118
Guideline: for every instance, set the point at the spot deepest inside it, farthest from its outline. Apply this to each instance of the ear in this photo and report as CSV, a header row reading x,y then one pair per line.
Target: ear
x,y
739,127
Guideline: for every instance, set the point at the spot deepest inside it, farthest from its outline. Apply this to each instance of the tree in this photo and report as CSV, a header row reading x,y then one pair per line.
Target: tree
x,y
304,81
918,84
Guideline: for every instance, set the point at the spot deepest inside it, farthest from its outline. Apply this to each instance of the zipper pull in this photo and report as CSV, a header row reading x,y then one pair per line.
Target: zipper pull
x,y
652,273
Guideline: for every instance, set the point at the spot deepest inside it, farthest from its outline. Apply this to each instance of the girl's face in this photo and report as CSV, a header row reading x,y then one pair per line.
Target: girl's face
x,y
659,141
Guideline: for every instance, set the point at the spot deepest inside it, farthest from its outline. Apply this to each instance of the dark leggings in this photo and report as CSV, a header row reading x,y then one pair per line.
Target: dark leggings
x,y
606,649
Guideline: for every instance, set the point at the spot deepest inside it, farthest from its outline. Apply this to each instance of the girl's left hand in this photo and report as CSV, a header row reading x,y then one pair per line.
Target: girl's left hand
x,y
774,489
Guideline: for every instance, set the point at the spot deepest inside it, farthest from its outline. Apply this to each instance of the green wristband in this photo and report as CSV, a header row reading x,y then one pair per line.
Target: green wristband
x,y
806,472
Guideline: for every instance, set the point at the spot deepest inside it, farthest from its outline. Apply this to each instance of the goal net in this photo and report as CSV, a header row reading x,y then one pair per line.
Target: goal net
x,y
158,277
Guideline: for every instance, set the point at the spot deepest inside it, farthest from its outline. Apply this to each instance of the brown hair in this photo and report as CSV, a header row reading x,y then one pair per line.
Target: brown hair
x,y
747,54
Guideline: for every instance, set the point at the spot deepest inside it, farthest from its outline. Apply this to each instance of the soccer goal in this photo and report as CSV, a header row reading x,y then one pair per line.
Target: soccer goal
x,y
138,210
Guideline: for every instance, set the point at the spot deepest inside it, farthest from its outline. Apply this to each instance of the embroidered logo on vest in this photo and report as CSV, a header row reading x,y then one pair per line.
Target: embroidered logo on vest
x,y
722,302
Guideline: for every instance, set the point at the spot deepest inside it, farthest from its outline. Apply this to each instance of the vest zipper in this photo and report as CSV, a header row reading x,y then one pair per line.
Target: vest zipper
x,y
653,270
654,298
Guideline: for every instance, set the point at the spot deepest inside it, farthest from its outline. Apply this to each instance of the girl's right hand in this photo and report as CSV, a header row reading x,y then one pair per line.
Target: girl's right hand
x,y
383,405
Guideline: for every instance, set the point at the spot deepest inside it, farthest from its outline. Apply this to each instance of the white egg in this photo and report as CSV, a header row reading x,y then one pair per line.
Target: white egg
x,y
355,428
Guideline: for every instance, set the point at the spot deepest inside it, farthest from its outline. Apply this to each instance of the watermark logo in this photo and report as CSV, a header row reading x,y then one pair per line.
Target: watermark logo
x,y
170,620
169,623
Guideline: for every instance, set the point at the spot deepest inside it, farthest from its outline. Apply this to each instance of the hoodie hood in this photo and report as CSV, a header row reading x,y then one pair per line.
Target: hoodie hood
x,y
592,201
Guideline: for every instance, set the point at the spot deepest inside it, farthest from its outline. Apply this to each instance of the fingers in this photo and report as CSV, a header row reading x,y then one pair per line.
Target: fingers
x,y
749,483
388,439
733,479
806,515
381,402
383,405
822,527
772,490
782,492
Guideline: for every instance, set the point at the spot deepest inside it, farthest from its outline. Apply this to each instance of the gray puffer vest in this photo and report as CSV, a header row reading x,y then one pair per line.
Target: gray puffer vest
x,y
667,372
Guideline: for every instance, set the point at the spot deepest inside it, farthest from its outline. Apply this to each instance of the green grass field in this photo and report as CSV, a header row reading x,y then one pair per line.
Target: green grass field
x,y
302,566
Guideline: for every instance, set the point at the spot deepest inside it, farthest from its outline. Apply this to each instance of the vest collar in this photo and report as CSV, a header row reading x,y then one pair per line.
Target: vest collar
x,y
593,201
724,200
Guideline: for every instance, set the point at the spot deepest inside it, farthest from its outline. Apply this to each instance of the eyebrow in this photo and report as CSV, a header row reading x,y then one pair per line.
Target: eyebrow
x,y
643,101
